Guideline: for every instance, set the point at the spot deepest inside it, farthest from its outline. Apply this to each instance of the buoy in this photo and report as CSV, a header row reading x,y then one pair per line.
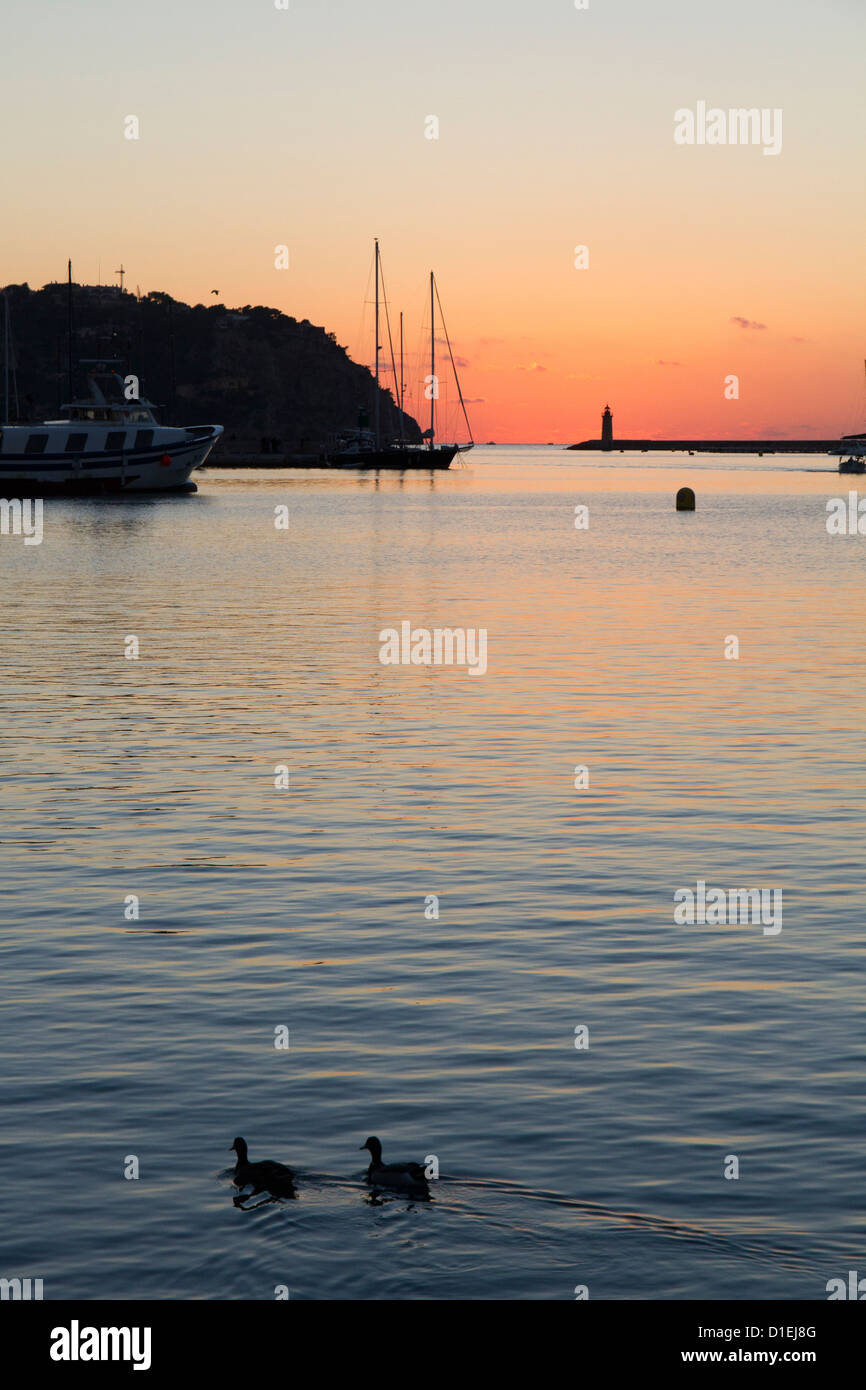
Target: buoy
x,y
685,500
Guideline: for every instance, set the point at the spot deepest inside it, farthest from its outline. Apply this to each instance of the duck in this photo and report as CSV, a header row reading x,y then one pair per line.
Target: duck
x,y
266,1176
405,1177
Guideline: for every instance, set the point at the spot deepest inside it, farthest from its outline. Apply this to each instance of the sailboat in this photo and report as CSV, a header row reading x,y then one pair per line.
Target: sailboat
x,y
368,448
854,445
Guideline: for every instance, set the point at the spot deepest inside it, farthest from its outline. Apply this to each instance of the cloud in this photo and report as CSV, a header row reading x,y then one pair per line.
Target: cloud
x,y
460,361
662,363
475,400
536,367
798,340
746,323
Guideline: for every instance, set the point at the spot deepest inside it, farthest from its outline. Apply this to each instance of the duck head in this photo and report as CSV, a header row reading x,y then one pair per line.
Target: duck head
x,y
374,1147
240,1148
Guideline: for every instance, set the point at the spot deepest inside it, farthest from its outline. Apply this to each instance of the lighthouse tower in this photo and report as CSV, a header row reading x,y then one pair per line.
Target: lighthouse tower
x,y
607,429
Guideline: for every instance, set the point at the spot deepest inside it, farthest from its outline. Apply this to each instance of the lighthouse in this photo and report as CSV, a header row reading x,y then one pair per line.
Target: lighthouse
x,y
607,429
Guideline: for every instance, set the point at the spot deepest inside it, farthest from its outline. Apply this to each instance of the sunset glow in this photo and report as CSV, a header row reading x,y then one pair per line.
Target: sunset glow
x,y
555,130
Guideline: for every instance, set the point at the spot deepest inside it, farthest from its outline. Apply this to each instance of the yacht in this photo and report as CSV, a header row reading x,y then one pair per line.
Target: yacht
x,y
370,448
358,449
854,447
106,443
851,451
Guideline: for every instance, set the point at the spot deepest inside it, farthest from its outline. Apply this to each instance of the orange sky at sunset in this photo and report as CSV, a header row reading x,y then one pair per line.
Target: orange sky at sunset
x,y
307,127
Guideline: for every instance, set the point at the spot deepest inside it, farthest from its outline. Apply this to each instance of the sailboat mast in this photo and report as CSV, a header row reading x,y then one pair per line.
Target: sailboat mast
x,y
432,361
6,359
69,325
376,404
402,381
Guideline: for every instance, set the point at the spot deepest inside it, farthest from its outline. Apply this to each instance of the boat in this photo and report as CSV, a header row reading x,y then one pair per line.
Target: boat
x,y
364,447
851,449
854,446
106,443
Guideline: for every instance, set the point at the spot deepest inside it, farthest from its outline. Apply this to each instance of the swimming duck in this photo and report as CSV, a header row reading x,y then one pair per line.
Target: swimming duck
x,y
406,1177
265,1176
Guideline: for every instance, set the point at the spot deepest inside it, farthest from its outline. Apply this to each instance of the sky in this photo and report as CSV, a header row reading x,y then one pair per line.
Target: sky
x,y
307,127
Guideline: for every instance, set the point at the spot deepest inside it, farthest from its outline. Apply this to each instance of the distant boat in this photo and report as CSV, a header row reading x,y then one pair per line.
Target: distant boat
x,y
366,448
854,446
106,443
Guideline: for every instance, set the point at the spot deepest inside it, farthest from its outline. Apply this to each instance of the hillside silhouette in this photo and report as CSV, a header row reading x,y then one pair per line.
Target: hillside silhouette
x,y
262,375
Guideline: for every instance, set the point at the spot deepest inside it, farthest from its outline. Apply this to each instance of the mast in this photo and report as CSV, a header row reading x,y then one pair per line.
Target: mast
x,y
376,403
6,359
69,324
432,360
402,382
171,352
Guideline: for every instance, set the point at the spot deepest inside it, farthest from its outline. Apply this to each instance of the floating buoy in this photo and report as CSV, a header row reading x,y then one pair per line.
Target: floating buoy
x,y
685,500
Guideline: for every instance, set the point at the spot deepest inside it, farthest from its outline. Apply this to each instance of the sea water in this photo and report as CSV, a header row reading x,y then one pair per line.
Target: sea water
x,y
257,882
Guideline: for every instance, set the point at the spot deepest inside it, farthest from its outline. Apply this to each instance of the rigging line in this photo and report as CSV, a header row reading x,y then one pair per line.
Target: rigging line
x,y
363,352
390,339
453,364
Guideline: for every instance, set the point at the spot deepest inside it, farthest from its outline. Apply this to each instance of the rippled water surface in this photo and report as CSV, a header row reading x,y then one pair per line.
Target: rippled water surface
x,y
305,907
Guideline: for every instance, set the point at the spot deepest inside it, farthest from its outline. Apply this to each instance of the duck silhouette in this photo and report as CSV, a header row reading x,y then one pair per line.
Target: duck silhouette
x,y
266,1176
403,1177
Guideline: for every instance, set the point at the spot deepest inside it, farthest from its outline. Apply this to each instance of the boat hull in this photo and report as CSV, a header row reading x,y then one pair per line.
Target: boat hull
x,y
165,466
399,459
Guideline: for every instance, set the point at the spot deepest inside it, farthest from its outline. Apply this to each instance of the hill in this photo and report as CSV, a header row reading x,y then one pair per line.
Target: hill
x,y
256,371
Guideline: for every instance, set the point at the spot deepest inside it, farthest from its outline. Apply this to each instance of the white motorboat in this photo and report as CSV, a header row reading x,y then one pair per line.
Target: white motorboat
x,y
107,443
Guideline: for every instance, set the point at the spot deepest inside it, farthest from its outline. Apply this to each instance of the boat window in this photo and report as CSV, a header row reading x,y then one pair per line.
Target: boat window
x,y
115,439
36,444
75,443
143,438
